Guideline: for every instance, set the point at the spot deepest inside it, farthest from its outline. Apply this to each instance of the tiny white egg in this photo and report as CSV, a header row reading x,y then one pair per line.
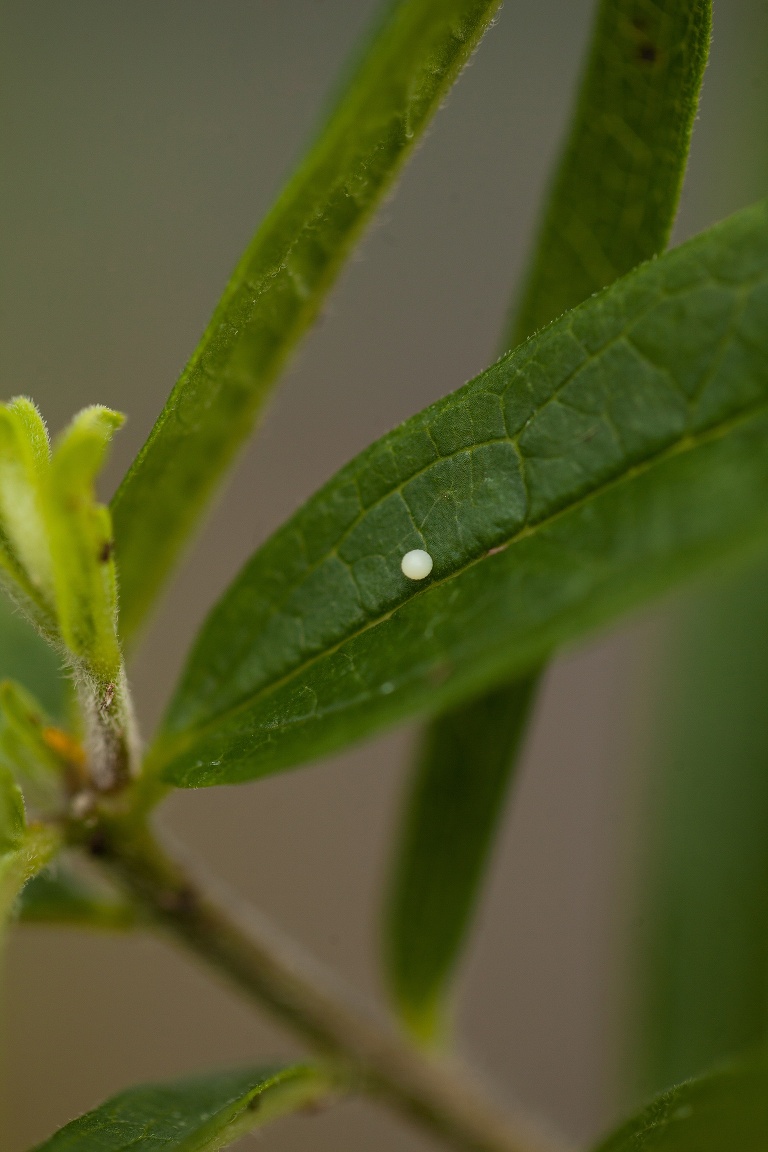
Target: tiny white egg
x,y
417,564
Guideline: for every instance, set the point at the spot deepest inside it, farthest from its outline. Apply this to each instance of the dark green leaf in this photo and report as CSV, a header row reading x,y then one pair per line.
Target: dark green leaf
x,y
280,282
456,799
723,1112
59,896
612,205
611,454
204,1114
615,194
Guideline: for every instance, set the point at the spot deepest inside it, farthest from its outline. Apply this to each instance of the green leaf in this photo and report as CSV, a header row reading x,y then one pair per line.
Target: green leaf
x,y
55,538
24,850
60,896
611,454
13,820
80,534
615,193
28,748
203,1114
723,1112
281,281
25,657
705,972
612,205
25,560
451,815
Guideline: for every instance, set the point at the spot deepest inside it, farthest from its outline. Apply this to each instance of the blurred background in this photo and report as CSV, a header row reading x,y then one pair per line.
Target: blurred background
x,y
142,142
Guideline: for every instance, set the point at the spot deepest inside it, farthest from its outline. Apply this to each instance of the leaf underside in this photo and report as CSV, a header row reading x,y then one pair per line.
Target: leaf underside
x,y
281,281
613,453
456,799
203,1114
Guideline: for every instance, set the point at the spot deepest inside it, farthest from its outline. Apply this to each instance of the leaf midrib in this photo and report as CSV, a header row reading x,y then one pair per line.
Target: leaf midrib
x,y
166,751
513,439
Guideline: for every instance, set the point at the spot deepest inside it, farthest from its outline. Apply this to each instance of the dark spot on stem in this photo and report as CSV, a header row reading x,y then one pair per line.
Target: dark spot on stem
x,y
106,550
98,844
647,53
178,901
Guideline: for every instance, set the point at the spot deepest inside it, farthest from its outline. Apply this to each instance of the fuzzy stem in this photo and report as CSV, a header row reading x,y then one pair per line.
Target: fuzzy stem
x,y
372,1057
110,736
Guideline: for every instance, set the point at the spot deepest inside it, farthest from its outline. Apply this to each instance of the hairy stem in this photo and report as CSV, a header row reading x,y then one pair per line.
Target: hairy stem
x,y
268,969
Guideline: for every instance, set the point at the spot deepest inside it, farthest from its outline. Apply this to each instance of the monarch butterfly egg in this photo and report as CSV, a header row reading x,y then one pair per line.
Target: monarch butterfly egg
x,y
416,565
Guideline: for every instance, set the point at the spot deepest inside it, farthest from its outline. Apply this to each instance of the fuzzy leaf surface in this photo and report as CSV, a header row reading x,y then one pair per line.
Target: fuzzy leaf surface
x,y
721,1112
612,205
281,281
80,534
611,454
203,1114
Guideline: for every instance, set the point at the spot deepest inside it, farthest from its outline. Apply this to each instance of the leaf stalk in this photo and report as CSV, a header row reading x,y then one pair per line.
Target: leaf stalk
x,y
369,1055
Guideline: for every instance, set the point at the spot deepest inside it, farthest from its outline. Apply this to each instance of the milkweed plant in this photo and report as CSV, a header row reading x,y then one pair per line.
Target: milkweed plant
x,y
618,445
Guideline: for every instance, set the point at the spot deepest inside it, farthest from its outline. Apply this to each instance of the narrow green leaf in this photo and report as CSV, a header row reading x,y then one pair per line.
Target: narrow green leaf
x,y
80,534
612,205
60,896
615,193
726,1111
705,974
281,281
456,799
204,1114
617,450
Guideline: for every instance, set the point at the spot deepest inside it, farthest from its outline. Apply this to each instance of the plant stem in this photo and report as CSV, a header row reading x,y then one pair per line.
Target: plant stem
x,y
372,1056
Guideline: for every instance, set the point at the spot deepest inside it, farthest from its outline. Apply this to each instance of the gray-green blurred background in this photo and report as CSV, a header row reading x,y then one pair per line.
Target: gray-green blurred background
x,y
140,143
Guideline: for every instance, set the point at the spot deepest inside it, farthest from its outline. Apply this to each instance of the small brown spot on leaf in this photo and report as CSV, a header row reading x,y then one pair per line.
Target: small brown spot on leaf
x,y
106,550
438,675
647,52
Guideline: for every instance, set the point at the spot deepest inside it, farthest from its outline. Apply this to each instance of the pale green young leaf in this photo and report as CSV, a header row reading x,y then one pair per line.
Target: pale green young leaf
x,y
25,556
62,897
726,1111
80,534
591,468
612,205
281,281
203,1114
451,814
